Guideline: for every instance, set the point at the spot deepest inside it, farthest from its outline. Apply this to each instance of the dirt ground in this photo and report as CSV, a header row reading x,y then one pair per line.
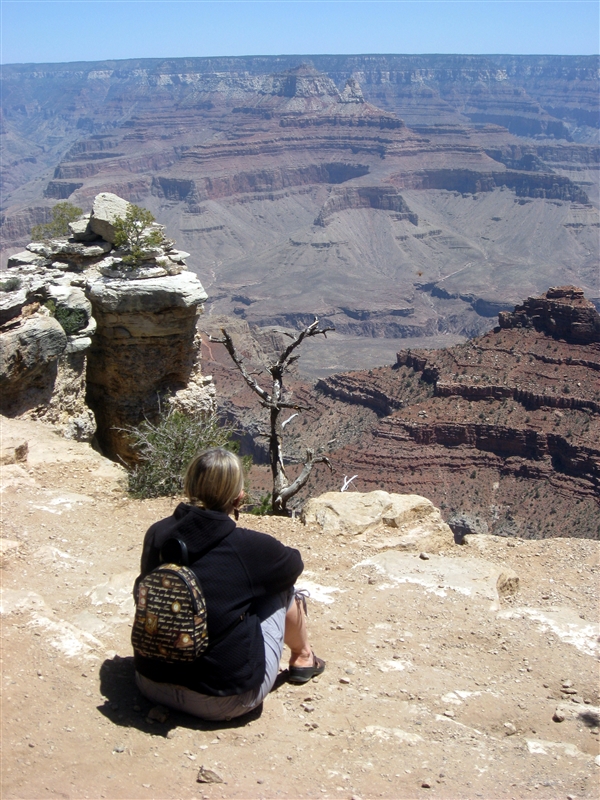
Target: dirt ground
x,y
434,686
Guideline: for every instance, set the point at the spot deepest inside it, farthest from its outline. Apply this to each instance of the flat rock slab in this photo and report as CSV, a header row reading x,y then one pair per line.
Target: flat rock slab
x,y
564,622
472,577
149,295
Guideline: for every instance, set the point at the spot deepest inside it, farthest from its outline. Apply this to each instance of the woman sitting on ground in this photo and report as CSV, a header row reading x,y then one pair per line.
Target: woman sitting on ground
x,y
245,576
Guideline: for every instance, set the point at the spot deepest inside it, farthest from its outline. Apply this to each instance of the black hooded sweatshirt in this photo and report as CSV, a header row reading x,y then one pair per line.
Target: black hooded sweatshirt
x,y
235,566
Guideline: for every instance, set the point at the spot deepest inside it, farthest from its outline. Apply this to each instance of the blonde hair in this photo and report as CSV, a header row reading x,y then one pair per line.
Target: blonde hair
x,y
214,479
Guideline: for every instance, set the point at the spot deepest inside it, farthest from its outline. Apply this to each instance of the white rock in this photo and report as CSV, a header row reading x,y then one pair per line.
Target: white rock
x,y
178,255
465,575
143,273
352,513
106,210
81,231
78,345
26,258
40,249
154,294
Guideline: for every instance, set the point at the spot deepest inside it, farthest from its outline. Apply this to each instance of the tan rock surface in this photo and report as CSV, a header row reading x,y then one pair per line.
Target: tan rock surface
x,y
425,683
418,522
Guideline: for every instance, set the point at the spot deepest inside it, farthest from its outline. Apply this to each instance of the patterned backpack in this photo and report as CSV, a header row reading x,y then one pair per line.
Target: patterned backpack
x,y
170,615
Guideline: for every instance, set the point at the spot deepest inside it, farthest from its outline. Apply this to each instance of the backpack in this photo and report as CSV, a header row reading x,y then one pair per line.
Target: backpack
x,y
170,614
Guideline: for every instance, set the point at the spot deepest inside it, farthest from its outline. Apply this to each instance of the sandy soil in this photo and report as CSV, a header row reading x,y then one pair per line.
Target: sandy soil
x,y
433,686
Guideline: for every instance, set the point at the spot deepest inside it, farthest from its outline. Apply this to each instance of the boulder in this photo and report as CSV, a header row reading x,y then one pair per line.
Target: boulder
x,y
465,525
81,230
144,349
80,250
151,295
416,522
28,362
26,258
11,304
13,450
106,210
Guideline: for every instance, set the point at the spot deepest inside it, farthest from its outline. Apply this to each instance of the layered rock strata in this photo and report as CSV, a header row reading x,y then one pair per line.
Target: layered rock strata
x,y
46,325
143,352
93,344
337,187
504,429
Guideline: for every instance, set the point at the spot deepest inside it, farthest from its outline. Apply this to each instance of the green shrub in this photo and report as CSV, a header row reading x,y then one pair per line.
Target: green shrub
x,y
263,507
11,284
71,319
167,447
62,214
134,233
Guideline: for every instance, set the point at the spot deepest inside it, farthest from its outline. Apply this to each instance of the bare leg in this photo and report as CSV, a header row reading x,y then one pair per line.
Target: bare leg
x,y
296,636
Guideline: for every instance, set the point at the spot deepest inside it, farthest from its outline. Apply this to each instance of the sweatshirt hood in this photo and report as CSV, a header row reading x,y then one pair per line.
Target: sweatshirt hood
x,y
199,528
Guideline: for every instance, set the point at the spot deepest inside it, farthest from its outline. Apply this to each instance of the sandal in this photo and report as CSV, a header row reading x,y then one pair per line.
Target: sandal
x,y
305,674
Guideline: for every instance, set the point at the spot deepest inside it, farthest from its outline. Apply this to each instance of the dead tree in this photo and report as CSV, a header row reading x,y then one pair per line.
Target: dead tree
x,y
276,402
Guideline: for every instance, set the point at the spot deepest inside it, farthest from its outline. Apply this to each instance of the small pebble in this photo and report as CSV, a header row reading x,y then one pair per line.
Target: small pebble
x,y
260,780
558,716
424,557
426,784
119,748
344,680
509,728
208,776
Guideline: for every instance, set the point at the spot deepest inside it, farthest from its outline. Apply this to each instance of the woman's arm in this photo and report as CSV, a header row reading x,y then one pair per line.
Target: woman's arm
x,y
272,566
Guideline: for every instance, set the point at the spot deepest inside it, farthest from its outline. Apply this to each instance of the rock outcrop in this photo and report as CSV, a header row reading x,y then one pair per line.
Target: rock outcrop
x,y
502,432
92,343
144,351
562,312
414,521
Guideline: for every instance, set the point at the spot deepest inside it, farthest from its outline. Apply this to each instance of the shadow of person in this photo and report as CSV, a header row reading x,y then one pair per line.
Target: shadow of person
x,y
125,706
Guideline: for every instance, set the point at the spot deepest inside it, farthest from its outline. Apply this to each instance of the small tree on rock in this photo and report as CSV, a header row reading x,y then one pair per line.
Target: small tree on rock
x,y
275,402
62,214
137,233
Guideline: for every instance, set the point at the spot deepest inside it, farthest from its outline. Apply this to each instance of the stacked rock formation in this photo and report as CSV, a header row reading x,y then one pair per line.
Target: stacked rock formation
x,y
90,343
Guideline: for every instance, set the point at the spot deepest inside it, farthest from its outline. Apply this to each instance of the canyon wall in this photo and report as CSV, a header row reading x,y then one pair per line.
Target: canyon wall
x,y
354,187
93,344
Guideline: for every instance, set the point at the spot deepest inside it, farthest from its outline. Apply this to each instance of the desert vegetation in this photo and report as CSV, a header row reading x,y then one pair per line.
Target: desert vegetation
x,y
62,214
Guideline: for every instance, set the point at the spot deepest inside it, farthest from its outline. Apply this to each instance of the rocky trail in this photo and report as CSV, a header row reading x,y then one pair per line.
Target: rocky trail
x,y
435,685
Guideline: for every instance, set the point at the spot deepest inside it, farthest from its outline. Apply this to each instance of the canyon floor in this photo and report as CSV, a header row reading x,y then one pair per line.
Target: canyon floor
x,y
434,685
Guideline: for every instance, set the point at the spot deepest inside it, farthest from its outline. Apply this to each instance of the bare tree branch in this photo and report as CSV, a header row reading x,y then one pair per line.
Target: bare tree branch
x,y
312,330
294,488
239,362
276,402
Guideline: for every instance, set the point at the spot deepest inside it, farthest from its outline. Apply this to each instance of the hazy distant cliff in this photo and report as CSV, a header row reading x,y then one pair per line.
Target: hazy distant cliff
x,y
397,196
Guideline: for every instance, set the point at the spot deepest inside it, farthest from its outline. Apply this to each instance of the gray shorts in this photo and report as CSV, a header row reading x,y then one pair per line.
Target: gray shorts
x,y
271,612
